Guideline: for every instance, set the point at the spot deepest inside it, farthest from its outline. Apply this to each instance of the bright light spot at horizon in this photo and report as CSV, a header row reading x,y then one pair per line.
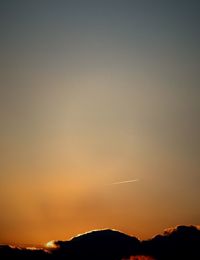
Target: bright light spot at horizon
x,y
51,244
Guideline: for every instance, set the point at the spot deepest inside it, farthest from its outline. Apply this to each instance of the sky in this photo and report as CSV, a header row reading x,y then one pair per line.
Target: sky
x,y
94,94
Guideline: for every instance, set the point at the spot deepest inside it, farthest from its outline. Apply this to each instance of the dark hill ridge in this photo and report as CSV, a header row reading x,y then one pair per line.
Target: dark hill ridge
x,y
182,242
102,244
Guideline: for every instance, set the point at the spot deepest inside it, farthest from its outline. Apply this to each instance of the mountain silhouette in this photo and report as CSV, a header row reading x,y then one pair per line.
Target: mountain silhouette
x,y
102,244
182,242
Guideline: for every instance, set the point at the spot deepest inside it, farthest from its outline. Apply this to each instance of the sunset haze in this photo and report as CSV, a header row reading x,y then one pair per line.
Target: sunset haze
x,y
94,93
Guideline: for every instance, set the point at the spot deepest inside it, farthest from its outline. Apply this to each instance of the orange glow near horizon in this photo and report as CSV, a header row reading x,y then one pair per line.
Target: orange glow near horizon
x,y
50,244
95,95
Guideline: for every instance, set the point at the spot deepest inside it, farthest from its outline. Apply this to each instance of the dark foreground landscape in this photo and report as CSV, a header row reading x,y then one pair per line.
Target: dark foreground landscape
x,y
182,242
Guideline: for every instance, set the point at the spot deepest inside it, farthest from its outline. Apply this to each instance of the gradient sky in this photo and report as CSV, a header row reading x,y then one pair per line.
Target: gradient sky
x,y
93,93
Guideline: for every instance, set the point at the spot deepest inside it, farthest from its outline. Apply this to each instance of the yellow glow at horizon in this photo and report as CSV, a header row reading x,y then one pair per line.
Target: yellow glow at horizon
x,y
50,244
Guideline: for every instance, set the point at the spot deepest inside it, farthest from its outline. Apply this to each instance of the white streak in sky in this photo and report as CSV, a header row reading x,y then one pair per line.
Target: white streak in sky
x,y
123,182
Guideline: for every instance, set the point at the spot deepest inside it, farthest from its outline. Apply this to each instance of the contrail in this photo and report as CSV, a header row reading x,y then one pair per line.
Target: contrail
x,y
123,182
